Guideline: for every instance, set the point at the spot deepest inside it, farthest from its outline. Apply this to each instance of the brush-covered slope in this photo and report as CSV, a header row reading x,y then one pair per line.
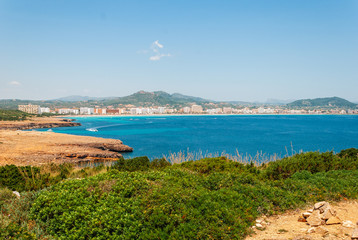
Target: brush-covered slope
x,y
330,102
158,98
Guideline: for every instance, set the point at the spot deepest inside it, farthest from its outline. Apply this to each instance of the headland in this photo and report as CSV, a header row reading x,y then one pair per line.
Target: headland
x,y
38,148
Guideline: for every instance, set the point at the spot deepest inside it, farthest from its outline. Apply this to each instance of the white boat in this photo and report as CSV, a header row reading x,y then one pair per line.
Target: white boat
x,y
92,129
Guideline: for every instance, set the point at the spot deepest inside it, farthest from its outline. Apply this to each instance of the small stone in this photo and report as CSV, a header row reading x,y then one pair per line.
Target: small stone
x,y
310,210
321,206
315,219
258,221
328,213
333,220
311,230
301,219
17,194
347,224
258,225
306,214
355,234
321,230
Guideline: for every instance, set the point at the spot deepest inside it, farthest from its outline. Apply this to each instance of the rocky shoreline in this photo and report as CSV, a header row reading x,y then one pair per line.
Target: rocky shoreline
x,y
38,148
38,123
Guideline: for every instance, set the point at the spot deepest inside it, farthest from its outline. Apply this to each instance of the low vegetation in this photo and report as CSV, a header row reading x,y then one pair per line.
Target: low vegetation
x,y
212,198
13,115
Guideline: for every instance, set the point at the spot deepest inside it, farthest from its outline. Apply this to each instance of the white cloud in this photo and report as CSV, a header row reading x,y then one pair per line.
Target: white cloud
x,y
156,49
157,44
158,57
15,83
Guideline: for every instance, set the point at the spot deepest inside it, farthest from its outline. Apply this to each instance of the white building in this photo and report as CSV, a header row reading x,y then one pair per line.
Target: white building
x,y
44,110
186,109
227,110
68,111
161,110
212,111
86,111
196,109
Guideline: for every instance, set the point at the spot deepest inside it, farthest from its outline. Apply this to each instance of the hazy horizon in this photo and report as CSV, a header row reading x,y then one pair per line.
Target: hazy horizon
x,y
224,51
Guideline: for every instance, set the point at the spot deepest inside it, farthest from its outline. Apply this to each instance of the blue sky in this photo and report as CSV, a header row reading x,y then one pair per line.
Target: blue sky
x,y
249,50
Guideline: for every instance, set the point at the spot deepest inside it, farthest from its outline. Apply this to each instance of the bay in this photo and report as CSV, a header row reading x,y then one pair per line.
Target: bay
x,y
250,135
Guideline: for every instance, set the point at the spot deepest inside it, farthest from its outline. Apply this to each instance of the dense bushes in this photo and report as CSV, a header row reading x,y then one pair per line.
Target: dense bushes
x,y
208,199
312,162
213,198
218,164
348,153
22,178
159,163
31,178
140,164
133,164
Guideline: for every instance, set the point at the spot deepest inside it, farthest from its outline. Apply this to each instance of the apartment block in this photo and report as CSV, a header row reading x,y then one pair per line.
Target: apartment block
x,y
33,109
196,109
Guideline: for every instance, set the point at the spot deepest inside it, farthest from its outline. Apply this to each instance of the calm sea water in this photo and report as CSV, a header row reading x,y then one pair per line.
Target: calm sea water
x,y
248,134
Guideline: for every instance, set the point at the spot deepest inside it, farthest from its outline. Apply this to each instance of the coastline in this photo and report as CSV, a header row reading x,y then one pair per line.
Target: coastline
x,y
37,148
194,115
38,122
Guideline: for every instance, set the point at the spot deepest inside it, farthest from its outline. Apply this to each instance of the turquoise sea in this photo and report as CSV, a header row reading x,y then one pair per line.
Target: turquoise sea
x,y
283,135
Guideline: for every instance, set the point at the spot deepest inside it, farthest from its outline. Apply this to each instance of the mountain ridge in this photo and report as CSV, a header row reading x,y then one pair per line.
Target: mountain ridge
x,y
176,100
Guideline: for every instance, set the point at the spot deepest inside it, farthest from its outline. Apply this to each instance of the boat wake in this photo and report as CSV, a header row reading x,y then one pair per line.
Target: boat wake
x,y
92,129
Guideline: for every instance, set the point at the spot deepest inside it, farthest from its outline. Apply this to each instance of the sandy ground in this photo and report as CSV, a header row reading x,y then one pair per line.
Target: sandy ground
x,y
286,226
37,148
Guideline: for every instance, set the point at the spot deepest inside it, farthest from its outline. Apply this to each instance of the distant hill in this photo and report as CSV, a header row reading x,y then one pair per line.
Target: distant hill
x,y
329,102
139,99
158,98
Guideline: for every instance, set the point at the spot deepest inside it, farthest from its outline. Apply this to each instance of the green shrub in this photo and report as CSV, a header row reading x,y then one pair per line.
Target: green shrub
x,y
132,164
312,162
209,165
159,163
6,195
30,178
14,231
13,115
14,218
19,178
349,153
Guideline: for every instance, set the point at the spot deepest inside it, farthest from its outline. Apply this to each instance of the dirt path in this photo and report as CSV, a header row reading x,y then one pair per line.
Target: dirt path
x,y
287,226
